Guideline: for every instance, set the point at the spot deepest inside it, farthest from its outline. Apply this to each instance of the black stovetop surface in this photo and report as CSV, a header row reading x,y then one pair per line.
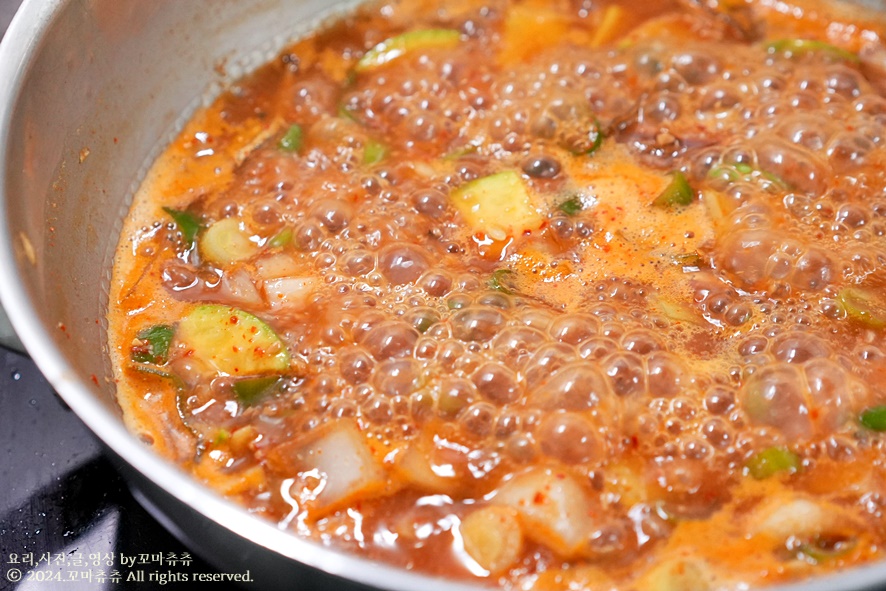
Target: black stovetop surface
x,y
63,507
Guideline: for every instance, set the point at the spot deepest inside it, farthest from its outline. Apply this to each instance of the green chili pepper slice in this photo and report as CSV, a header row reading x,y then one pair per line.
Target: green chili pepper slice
x,y
571,206
772,461
292,140
152,345
503,280
677,193
188,224
251,390
874,418
801,46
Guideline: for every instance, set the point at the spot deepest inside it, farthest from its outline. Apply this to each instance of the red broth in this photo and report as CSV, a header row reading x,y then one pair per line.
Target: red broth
x,y
543,294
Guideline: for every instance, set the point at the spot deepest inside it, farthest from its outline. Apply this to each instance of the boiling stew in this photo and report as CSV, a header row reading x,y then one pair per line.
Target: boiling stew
x,y
549,294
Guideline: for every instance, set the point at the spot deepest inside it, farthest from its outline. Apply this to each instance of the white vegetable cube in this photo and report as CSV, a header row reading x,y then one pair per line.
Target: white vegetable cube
x,y
492,537
554,508
785,517
342,459
289,292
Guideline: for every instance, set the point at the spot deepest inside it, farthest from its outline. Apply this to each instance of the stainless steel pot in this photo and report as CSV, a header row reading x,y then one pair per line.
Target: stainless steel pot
x,y
92,91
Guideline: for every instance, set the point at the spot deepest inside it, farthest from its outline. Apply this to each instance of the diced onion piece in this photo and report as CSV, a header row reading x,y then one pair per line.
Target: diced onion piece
x,y
277,265
227,241
431,467
798,517
345,463
492,538
237,288
241,439
678,574
498,205
232,341
215,472
289,292
554,508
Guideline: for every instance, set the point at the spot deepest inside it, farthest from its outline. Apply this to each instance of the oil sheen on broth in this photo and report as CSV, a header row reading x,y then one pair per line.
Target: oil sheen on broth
x,y
553,294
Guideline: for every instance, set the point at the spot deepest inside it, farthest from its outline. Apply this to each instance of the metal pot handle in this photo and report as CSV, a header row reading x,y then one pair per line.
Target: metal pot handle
x,y
8,337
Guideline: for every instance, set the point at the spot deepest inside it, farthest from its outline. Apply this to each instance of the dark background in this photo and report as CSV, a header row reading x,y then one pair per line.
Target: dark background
x,y
59,495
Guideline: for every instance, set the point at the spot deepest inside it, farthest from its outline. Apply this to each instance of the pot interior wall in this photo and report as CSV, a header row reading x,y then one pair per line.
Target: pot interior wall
x,y
106,89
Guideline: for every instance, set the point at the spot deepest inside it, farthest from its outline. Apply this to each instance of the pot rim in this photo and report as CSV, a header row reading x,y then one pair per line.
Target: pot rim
x,y
18,49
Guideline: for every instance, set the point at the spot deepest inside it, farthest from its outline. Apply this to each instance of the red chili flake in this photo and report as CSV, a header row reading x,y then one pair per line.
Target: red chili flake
x,y
814,414
234,320
94,379
635,441
538,499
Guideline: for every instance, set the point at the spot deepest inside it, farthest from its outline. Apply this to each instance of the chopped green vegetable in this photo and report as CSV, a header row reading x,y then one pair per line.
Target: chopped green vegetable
x,y
221,436
801,46
583,142
503,280
250,390
232,341
460,152
374,152
863,306
729,173
498,205
345,113
874,418
597,137
152,344
395,47
571,206
825,548
677,193
187,223
740,170
772,461
292,140
281,238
